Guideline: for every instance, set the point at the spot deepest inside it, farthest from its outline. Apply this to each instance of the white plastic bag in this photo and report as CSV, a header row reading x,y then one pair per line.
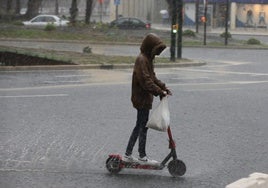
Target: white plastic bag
x,y
160,117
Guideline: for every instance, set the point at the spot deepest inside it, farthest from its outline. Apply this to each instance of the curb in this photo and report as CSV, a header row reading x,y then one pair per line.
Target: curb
x,y
97,66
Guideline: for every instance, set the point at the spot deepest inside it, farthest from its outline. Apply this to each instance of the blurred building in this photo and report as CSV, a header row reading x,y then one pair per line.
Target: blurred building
x,y
242,13
143,9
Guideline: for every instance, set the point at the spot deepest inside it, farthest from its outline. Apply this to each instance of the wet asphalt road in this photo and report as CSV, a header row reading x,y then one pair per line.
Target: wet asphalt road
x,y
57,127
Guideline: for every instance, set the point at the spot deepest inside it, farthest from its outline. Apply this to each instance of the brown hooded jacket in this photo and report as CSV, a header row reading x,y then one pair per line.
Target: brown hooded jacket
x,y
144,82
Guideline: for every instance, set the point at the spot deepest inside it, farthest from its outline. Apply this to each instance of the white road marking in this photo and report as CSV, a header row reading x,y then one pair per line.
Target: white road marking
x,y
192,78
212,89
55,82
221,83
34,96
64,86
127,83
224,72
71,76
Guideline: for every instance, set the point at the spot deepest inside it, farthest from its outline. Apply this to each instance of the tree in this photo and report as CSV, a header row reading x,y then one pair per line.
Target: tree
x,y
73,12
88,11
169,2
57,7
33,8
9,6
17,8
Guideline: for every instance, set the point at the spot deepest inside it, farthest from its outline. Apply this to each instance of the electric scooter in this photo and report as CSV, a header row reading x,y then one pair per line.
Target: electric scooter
x,y
176,167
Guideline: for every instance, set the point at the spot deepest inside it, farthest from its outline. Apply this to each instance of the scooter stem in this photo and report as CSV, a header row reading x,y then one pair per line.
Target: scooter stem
x,y
172,144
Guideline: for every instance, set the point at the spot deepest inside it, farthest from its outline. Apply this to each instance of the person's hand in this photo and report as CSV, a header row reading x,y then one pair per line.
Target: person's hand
x,y
163,94
168,91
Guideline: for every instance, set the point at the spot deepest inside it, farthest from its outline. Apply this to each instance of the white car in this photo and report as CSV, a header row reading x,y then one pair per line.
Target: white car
x,y
43,20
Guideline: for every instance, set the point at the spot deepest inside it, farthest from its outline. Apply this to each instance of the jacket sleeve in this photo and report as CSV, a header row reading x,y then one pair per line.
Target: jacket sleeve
x,y
159,83
145,80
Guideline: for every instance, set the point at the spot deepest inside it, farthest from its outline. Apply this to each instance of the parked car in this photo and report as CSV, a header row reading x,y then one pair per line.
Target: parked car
x,y
43,20
130,23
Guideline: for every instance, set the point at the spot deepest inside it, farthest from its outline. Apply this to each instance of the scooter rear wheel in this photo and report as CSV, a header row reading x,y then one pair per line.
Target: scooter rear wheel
x,y
113,165
176,168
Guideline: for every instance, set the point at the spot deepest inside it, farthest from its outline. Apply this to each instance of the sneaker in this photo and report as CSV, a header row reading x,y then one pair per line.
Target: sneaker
x,y
148,161
129,158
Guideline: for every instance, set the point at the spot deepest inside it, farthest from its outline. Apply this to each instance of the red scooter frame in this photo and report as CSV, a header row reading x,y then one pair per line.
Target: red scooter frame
x,y
176,167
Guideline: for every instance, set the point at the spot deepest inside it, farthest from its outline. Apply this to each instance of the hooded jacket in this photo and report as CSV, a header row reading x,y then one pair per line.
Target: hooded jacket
x,y
145,85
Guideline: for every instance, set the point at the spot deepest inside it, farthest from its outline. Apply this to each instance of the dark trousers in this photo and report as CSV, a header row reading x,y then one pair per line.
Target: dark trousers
x,y
139,131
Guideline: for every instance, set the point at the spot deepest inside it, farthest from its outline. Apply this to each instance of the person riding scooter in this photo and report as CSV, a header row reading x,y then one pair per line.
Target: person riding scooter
x,y
145,86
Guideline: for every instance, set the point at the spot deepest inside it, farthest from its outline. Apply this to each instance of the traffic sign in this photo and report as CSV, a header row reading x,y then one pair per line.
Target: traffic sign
x,y
116,2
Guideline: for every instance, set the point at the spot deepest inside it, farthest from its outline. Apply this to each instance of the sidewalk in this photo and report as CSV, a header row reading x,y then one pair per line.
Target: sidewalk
x,y
210,30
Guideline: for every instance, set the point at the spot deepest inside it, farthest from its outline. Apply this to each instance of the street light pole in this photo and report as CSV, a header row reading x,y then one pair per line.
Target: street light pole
x,y
101,6
173,32
179,39
116,3
226,22
205,22
196,15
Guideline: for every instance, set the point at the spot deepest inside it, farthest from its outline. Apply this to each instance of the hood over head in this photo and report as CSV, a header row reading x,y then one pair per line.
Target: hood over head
x,y
152,45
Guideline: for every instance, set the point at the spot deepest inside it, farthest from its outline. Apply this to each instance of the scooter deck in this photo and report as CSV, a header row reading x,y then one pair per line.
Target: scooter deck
x,y
137,164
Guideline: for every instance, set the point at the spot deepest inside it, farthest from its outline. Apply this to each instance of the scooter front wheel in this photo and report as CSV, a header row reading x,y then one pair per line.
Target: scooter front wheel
x,y
113,165
176,168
